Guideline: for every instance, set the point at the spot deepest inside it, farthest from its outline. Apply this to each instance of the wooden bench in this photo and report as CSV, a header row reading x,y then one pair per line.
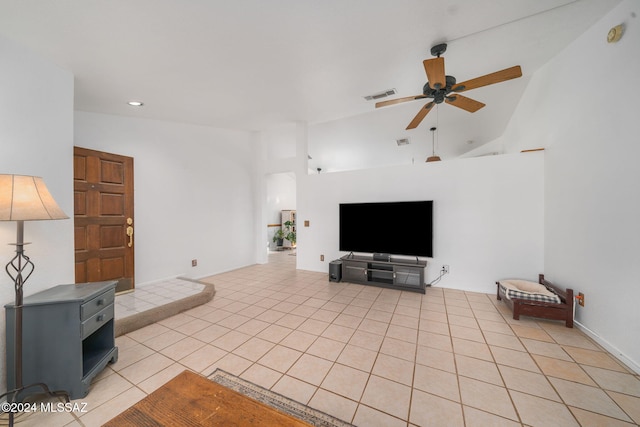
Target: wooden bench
x,y
545,310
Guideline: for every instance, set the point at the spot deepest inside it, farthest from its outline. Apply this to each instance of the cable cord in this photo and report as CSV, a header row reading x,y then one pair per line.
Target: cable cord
x,y
437,279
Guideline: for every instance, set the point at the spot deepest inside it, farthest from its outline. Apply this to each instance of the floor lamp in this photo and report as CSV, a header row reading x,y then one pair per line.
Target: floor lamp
x,y
24,198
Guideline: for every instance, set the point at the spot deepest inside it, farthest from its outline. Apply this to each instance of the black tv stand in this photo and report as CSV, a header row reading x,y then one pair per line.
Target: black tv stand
x,y
397,273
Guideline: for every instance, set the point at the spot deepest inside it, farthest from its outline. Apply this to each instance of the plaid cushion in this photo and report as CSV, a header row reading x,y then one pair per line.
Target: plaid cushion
x,y
530,296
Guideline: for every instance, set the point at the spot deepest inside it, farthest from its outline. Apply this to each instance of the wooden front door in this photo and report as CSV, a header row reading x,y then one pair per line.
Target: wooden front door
x,y
103,215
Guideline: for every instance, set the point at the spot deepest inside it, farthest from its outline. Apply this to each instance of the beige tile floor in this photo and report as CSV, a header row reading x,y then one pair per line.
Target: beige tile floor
x,y
372,356
155,294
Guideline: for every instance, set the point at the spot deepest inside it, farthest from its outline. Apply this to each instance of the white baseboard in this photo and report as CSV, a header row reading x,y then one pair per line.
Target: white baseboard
x,y
631,364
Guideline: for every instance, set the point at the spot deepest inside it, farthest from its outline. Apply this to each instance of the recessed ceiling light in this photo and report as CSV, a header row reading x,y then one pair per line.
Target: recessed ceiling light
x,y
136,103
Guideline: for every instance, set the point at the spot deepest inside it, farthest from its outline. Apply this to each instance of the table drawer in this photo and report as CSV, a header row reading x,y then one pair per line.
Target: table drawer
x,y
96,304
96,321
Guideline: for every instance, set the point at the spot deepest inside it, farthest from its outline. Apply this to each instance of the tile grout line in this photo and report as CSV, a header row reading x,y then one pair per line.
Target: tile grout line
x,y
303,284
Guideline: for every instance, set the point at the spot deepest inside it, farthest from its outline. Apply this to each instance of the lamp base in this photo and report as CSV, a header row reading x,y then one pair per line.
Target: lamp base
x,y
19,269
13,396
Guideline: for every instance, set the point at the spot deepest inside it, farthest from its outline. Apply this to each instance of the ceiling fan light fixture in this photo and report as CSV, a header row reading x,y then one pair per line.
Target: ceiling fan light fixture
x,y
433,157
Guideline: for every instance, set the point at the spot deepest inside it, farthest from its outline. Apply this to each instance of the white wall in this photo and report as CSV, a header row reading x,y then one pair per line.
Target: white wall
x,y
280,142
583,106
281,194
36,138
488,215
193,192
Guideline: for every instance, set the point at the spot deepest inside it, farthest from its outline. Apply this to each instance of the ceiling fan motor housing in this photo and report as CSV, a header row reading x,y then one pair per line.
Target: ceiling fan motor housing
x,y
438,95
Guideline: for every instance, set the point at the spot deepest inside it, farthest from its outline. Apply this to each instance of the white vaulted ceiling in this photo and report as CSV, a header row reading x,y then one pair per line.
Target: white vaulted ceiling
x,y
257,64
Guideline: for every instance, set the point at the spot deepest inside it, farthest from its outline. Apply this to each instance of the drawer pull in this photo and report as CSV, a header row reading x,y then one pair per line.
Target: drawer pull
x,y
100,301
100,318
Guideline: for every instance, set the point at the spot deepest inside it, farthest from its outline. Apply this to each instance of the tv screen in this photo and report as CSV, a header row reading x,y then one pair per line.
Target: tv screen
x,y
398,228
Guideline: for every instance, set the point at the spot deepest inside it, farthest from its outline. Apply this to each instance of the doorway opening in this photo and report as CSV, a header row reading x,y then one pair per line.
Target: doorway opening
x,y
281,212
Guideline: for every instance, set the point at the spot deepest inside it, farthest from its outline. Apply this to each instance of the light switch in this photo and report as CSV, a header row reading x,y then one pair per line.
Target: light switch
x,y
306,223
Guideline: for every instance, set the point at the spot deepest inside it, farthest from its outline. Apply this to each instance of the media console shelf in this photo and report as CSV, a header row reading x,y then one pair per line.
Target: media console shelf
x,y
397,273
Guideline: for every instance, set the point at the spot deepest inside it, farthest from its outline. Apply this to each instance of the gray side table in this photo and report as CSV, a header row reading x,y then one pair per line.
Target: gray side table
x,y
68,336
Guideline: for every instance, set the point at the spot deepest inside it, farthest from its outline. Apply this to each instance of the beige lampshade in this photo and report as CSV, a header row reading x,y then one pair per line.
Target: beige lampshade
x,y
26,198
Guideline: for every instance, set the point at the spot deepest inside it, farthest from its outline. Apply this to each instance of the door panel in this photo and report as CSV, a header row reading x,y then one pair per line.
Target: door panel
x,y
103,210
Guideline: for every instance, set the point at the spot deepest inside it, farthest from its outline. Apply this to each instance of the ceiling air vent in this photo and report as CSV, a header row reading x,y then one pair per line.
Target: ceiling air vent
x,y
380,95
403,141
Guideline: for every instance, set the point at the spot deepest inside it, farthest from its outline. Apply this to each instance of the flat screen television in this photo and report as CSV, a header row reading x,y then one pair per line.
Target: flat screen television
x,y
398,228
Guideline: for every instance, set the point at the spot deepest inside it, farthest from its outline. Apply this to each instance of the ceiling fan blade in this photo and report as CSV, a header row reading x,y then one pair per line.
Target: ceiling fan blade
x,y
489,79
421,115
468,104
435,72
398,101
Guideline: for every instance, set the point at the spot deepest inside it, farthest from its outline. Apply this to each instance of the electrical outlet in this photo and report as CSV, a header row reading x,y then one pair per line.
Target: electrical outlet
x,y
580,299
445,269
194,263
321,257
